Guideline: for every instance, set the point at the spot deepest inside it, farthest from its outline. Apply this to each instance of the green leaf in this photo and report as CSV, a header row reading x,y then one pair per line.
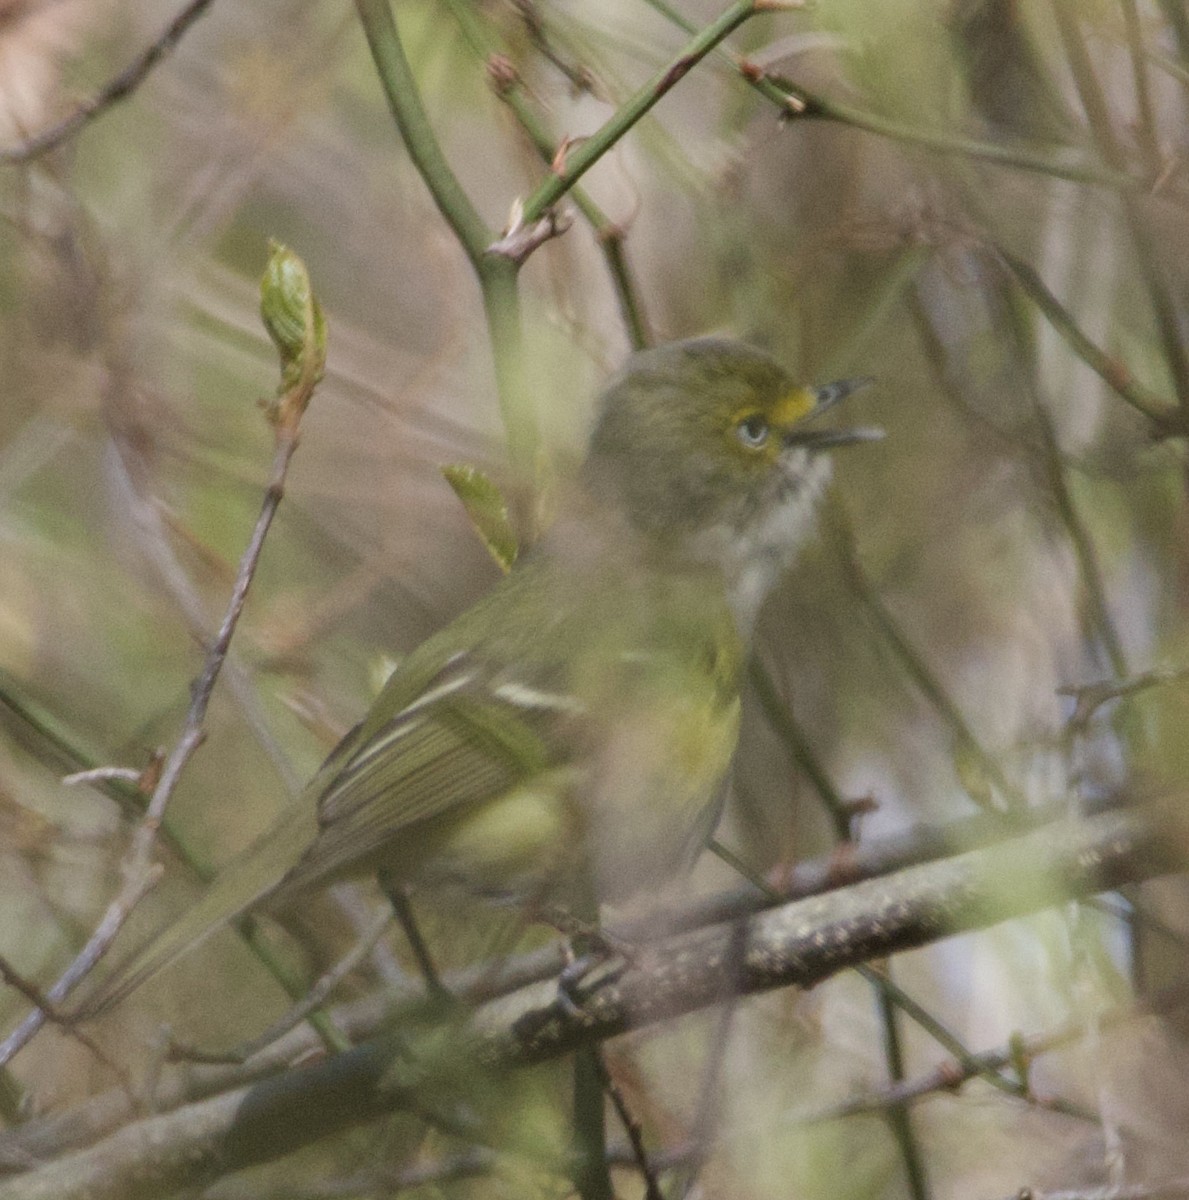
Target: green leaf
x,y
487,509
294,321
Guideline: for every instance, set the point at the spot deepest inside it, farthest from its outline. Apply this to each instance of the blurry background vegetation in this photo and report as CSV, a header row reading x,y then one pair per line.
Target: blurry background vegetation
x,y
1001,197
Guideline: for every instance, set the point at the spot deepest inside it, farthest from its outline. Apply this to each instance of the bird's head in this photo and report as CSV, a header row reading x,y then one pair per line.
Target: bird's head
x,y
710,448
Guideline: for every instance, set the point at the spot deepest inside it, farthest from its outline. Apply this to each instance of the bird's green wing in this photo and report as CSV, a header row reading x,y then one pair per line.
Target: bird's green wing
x,y
463,737
469,737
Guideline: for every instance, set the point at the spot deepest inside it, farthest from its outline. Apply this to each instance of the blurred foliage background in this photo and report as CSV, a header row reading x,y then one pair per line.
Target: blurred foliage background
x,y
983,204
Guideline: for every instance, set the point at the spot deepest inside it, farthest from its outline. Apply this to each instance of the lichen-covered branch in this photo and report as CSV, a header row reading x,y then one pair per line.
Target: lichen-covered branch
x,y
799,944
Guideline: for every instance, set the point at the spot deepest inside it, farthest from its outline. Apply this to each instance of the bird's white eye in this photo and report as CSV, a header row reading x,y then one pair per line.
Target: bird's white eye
x,y
753,431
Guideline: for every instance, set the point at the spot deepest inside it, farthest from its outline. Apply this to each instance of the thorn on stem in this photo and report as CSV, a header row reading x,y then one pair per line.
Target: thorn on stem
x,y
675,73
951,1075
522,239
558,163
502,74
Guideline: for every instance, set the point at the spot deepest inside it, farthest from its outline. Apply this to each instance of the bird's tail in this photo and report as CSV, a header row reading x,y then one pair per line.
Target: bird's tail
x,y
253,877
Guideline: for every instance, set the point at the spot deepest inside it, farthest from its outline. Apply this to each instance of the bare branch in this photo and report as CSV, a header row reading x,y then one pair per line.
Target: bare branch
x,y
119,88
140,874
99,1116
798,944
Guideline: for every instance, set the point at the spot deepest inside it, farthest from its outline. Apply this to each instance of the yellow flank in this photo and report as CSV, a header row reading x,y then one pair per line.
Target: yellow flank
x,y
513,846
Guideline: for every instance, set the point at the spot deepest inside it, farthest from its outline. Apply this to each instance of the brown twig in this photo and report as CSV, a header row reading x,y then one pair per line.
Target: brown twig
x,y
635,1134
140,874
95,1118
311,1002
950,1076
1170,1189
119,88
14,979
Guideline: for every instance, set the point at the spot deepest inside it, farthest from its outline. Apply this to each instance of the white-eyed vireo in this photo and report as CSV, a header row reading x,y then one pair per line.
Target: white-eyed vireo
x,y
576,724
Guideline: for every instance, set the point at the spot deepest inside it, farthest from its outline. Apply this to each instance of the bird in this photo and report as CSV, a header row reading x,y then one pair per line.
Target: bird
x,y
570,734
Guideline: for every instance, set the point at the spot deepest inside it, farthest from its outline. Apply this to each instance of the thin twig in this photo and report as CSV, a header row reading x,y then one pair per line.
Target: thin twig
x,y
795,102
915,666
580,77
1149,134
46,1137
15,980
1101,624
119,88
891,997
942,1036
140,874
1099,627
1148,258
313,1000
704,1128
555,186
635,1134
506,83
842,816
898,1118
1089,697
797,745
1164,415
496,274
1171,1189
104,934
1017,1053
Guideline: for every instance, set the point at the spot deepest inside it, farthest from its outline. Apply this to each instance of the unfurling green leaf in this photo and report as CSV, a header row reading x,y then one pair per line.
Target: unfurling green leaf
x,y
971,769
488,511
294,321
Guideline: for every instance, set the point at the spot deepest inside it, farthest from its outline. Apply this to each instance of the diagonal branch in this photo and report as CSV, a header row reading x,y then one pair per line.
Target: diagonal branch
x,y
798,944
53,1135
583,157
119,88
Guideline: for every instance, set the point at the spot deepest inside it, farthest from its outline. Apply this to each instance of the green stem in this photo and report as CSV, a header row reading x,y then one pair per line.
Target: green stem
x,y
626,294
497,276
785,726
610,236
61,751
1160,412
1176,15
501,305
1143,86
1097,110
796,102
592,1179
404,102
585,155
1100,622
914,665
899,1118
879,303
1168,65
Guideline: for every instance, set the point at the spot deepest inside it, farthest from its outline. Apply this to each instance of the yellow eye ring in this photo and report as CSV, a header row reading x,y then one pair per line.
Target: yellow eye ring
x,y
753,431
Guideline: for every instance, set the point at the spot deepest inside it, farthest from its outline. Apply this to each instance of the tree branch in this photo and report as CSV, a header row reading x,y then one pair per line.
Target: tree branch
x,y
797,944
58,1133
583,157
119,88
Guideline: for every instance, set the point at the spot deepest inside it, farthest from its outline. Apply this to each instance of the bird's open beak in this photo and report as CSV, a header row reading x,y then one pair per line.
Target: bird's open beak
x,y
825,398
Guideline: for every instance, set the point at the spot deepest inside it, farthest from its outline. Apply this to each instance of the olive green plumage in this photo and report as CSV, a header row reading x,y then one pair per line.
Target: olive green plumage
x,y
574,727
